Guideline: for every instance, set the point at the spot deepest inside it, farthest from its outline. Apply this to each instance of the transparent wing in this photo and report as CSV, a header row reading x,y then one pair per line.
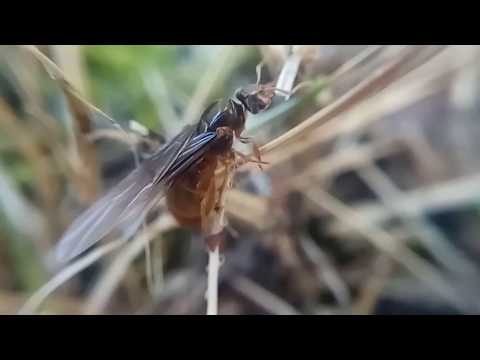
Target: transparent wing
x,y
191,154
124,205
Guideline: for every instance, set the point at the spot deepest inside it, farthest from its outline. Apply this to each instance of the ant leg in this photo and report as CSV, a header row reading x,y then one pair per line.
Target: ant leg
x,y
248,159
256,152
258,155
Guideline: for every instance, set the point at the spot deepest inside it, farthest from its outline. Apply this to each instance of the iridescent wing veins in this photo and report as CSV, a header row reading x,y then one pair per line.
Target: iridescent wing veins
x,y
125,205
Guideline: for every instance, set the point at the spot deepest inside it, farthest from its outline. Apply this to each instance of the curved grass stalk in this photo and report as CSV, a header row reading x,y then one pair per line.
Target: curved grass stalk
x,y
36,300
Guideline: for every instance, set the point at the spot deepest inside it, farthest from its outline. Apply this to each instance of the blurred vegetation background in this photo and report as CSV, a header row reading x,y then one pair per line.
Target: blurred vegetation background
x,y
371,208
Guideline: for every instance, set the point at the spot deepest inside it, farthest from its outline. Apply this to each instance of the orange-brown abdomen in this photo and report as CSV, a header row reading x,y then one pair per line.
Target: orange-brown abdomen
x,y
184,199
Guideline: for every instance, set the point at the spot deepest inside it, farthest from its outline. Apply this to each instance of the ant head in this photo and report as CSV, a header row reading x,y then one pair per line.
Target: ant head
x,y
256,98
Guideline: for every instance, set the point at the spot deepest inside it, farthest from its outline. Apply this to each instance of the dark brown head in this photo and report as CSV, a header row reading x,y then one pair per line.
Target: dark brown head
x,y
256,98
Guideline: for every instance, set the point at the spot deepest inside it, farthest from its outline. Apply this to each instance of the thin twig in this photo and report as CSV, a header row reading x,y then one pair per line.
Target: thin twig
x,y
212,283
214,230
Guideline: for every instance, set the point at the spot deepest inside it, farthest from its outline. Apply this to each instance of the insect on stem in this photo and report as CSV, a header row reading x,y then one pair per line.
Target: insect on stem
x,y
193,171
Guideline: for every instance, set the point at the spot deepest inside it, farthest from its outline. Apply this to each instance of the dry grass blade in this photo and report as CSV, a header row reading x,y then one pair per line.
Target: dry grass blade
x,y
422,82
56,73
157,267
342,160
287,77
69,59
157,91
15,205
255,210
327,272
213,77
378,80
28,146
84,163
369,203
86,170
388,244
110,134
262,297
447,195
10,302
373,287
286,80
114,274
356,60
84,154
248,208
36,300
439,247
149,272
